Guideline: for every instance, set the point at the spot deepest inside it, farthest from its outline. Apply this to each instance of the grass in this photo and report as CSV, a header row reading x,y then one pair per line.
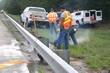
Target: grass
x,y
95,51
46,33
40,70
10,30
95,48
17,17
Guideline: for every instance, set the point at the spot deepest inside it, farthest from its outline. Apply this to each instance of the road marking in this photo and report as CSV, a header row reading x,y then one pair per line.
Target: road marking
x,y
11,63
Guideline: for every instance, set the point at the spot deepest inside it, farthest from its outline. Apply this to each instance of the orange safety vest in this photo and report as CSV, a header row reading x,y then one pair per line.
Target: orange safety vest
x,y
52,18
67,20
91,18
73,23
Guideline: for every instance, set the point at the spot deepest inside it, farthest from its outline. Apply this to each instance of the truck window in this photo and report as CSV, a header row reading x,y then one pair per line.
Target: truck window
x,y
78,14
86,14
36,9
98,13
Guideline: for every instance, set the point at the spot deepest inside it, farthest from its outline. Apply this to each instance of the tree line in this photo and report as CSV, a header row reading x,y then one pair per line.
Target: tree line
x,y
16,6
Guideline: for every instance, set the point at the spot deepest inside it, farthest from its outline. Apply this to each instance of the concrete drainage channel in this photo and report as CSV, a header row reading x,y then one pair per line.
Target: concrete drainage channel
x,y
57,68
24,47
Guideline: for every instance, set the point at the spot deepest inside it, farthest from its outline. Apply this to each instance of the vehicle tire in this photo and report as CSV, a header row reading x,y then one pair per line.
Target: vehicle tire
x,y
47,25
27,24
21,20
78,22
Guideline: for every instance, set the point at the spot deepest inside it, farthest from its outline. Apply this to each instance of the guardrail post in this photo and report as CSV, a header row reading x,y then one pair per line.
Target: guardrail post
x,y
64,54
46,42
32,67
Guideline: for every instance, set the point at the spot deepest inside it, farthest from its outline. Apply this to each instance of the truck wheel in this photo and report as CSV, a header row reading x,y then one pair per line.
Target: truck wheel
x,y
27,24
47,26
78,22
21,20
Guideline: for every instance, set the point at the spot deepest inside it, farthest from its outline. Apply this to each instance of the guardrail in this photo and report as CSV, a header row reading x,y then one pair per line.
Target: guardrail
x,y
57,64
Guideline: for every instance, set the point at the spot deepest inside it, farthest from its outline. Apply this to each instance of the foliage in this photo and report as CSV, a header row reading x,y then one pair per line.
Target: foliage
x,y
12,6
103,5
15,6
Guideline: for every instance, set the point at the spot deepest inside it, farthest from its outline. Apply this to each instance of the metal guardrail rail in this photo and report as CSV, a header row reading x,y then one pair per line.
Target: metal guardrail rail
x,y
57,64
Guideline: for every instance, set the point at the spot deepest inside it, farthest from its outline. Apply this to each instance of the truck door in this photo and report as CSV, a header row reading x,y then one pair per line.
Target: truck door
x,y
86,16
99,15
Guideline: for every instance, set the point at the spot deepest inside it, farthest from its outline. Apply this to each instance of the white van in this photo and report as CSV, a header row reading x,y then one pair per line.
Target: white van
x,y
87,16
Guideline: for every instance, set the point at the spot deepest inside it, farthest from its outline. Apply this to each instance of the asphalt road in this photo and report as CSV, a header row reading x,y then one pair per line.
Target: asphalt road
x,y
11,58
26,49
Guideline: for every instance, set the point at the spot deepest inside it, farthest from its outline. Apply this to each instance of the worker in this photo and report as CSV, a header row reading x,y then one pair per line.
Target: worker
x,y
64,28
72,30
92,17
52,17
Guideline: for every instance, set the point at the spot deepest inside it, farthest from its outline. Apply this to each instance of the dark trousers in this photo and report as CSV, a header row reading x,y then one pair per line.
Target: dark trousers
x,y
63,38
72,32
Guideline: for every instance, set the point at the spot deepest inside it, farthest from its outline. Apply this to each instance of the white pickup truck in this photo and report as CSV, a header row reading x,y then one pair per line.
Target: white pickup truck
x,y
87,16
26,16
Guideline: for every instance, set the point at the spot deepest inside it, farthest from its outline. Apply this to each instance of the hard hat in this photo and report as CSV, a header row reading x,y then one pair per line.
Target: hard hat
x,y
62,7
51,9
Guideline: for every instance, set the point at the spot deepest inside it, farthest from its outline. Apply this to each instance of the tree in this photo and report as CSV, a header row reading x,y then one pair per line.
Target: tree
x,y
12,6
15,6
103,5
2,4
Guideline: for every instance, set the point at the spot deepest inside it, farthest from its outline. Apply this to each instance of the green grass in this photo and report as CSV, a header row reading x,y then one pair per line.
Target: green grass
x,y
17,17
10,30
40,70
46,33
95,49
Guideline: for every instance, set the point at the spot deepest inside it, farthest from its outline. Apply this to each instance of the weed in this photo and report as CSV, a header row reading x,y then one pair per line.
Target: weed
x,y
40,69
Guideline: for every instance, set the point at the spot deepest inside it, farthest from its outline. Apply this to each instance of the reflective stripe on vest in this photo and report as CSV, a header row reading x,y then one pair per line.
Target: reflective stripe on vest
x,y
67,20
52,18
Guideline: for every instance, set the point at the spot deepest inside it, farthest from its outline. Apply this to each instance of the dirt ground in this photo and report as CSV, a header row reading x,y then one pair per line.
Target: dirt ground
x,y
77,64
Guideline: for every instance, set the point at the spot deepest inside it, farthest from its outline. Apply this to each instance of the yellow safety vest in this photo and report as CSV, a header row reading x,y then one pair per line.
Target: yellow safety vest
x,y
67,20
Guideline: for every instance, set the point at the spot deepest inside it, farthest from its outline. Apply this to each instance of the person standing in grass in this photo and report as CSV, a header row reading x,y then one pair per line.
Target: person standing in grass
x,y
52,17
65,21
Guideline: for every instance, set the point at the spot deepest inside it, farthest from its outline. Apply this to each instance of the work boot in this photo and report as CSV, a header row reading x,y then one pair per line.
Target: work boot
x,y
55,44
